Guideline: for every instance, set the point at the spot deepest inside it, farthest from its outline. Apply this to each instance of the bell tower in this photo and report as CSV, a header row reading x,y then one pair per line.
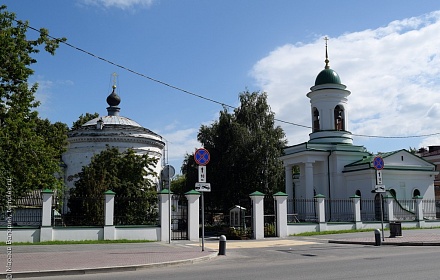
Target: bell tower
x,y
328,99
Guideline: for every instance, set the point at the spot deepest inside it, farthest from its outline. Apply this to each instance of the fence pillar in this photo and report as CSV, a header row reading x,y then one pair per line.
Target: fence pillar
x,y
419,211
320,209
357,211
193,198
46,216
257,215
109,212
164,208
281,199
389,207
289,181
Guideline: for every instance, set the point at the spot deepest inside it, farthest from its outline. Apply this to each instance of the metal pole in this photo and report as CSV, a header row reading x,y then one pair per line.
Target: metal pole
x,y
381,215
203,223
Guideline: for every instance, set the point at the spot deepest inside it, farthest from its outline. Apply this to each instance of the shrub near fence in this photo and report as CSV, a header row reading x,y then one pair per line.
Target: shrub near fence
x,y
136,211
84,211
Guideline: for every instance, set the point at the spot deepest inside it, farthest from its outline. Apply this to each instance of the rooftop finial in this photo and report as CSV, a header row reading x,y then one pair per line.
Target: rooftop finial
x,y
327,66
115,77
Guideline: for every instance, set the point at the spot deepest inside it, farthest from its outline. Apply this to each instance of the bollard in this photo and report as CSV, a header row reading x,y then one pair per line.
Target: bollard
x,y
377,239
222,246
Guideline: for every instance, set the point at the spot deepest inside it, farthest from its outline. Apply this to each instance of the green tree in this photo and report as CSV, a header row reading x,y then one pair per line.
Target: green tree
x,y
83,119
245,147
30,148
128,175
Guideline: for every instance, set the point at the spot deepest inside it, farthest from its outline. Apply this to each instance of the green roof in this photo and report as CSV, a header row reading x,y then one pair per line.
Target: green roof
x,y
327,76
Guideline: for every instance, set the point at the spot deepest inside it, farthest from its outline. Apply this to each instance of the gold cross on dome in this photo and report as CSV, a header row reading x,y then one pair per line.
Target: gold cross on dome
x,y
115,76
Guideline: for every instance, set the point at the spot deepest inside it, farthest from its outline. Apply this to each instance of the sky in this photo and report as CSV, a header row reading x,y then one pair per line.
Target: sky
x,y
173,58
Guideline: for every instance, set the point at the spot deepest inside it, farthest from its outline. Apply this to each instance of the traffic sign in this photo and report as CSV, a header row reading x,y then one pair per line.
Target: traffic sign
x,y
203,187
201,156
379,177
378,163
379,188
202,174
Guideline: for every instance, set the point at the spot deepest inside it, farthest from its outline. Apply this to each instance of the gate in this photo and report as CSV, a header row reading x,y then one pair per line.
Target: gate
x,y
179,217
270,217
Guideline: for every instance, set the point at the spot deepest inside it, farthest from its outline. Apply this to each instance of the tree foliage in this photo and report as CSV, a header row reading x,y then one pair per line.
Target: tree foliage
x,y
30,148
245,147
128,175
83,119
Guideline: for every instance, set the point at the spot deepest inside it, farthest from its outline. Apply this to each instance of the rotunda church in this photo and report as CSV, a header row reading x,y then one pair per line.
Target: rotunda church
x,y
111,130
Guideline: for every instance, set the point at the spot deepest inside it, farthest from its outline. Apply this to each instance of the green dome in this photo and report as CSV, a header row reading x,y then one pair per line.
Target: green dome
x,y
327,76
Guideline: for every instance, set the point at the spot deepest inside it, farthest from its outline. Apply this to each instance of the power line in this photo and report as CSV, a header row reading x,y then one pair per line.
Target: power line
x,y
203,97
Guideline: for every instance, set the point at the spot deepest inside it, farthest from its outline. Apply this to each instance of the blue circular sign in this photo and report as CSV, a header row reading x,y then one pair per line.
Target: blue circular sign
x,y
378,163
201,156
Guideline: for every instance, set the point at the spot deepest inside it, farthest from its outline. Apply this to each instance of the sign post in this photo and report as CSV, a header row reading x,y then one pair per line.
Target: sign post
x,y
202,157
379,188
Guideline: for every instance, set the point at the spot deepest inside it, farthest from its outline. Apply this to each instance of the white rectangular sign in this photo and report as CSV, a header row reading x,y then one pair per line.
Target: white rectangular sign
x,y
379,177
379,188
203,187
202,173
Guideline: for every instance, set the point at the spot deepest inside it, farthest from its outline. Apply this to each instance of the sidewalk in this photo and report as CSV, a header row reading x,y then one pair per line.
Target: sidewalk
x,y
51,260
413,237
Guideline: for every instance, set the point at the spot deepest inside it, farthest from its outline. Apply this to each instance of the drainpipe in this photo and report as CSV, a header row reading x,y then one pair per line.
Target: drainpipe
x,y
329,184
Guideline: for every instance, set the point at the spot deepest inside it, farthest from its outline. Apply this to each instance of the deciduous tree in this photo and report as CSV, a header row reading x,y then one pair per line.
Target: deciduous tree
x,y
245,147
125,173
30,148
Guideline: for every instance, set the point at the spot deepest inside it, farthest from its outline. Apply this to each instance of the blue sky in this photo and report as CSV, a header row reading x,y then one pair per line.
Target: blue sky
x,y
386,53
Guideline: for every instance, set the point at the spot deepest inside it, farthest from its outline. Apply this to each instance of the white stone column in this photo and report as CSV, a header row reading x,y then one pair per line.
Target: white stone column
x,y
320,209
164,208
389,207
46,216
419,211
109,212
257,214
289,181
308,170
193,198
281,199
357,211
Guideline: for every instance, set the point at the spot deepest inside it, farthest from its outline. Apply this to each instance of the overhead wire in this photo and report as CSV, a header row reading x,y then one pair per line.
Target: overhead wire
x,y
203,97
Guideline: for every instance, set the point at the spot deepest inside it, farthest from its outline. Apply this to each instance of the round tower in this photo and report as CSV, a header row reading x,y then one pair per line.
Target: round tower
x,y
112,130
328,99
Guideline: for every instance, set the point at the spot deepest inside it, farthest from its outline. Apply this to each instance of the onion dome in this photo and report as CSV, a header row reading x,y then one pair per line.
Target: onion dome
x,y
113,99
327,76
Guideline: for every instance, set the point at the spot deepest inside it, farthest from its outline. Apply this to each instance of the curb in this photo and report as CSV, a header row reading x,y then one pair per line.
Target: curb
x,y
83,271
402,243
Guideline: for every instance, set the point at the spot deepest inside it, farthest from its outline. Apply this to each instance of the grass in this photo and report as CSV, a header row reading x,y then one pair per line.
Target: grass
x,y
76,242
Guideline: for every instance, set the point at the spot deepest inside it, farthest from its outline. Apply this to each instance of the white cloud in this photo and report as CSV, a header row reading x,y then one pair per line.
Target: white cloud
x,y
180,142
120,4
392,73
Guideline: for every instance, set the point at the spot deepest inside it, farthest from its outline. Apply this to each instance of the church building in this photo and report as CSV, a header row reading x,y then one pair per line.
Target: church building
x,y
331,165
111,130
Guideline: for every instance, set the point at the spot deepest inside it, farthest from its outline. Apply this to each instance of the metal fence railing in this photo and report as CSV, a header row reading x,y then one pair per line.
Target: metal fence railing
x,y
301,210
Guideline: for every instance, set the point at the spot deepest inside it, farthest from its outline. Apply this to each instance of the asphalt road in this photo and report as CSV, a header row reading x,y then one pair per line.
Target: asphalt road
x,y
320,260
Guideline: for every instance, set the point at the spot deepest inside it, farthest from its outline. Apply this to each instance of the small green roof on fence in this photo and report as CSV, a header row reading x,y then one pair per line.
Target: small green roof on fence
x,y
257,193
192,192
110,192
280,194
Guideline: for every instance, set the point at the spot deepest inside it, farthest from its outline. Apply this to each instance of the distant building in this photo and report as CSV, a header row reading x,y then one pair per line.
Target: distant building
x,y
332,166
433,155
112,130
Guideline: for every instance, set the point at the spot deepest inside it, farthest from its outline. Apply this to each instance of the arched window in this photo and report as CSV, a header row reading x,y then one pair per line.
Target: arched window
x,y
416,192
316,125
339,118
